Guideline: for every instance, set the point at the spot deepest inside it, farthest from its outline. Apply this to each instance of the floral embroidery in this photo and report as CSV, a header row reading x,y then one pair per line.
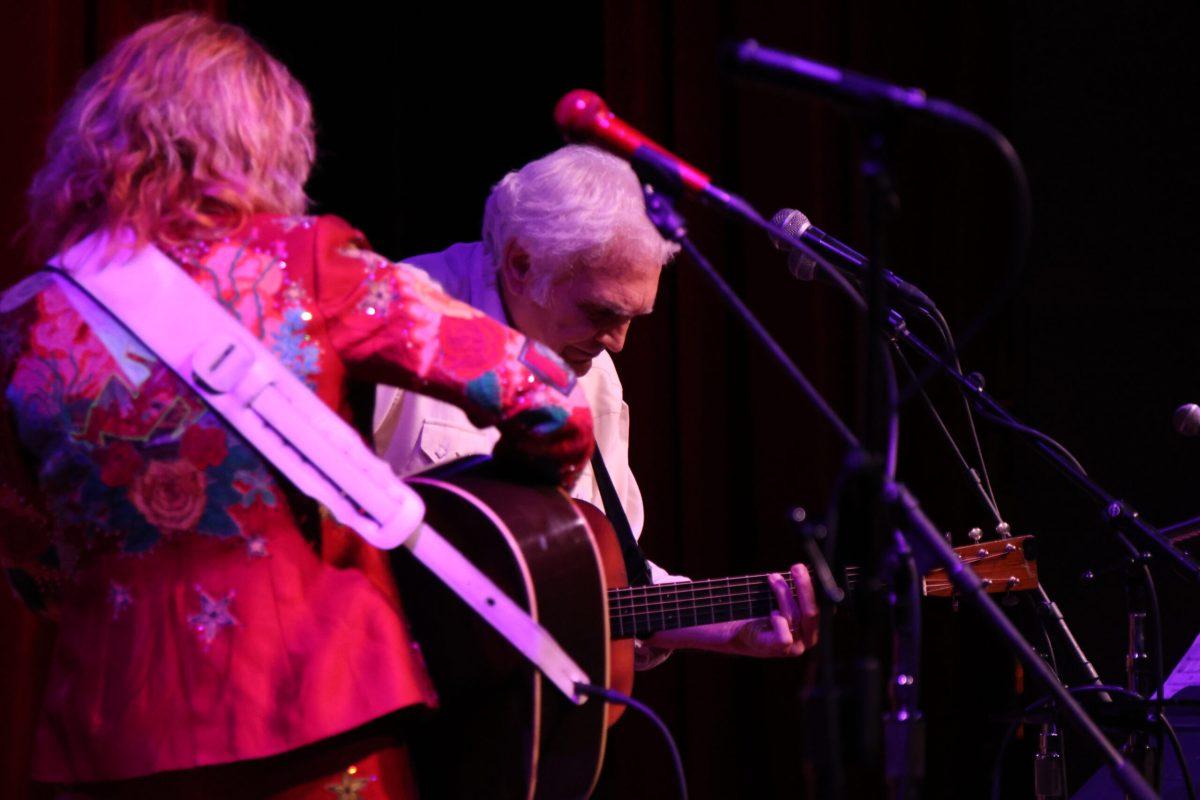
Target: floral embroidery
x,y
125,456
250,279
172,483
132,465
256,485
470,347
203,447
214,616
295,348
170,494
119,463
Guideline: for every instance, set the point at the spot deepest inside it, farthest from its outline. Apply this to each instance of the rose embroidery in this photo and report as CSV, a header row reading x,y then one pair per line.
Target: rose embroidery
x,y
203,447
470,347
119,463
170,494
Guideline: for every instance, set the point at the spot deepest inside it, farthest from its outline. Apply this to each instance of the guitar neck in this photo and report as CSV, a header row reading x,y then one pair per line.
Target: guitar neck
x,y
1004,565
642,610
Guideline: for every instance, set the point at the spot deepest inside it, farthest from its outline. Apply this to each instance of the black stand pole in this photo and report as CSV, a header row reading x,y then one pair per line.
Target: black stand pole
x,y
903,723
824,728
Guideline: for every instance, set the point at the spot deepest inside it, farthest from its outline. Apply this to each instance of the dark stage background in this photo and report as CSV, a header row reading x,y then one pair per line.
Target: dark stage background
x,y
420,111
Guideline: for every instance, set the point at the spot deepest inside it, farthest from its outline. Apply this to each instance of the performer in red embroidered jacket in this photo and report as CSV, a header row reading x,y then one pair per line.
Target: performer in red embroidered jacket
x,y
209,615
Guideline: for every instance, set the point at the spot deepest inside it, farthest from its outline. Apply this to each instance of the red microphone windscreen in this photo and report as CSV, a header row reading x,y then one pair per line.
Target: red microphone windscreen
x,y
576,111
583,116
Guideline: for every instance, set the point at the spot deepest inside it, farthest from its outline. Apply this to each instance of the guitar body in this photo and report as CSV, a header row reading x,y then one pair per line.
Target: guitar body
x,y
615,576
501,731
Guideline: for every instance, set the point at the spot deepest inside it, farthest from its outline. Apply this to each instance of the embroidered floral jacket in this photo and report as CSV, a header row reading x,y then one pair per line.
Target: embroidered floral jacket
x,y
208,613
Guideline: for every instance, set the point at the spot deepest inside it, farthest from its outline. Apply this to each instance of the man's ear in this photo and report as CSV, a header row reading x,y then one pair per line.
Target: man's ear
x,y
514,268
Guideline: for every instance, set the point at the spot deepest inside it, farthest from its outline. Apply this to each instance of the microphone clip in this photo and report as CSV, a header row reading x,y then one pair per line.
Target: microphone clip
x,y
660,209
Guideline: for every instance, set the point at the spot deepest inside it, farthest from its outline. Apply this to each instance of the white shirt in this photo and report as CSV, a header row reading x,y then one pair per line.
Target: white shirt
x,y
413,431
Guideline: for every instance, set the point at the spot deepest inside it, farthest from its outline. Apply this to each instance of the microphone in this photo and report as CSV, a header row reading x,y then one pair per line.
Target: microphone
x,y
1186,420
794,224
840,255
790,70
583,116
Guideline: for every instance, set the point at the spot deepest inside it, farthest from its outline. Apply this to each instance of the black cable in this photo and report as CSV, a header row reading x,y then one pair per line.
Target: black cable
x,y
613,696
1034,433
1177,746
998,766
1022,223
1022,228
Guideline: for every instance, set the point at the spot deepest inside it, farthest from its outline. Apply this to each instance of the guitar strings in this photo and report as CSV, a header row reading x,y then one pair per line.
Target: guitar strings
x,y
718,595
620,596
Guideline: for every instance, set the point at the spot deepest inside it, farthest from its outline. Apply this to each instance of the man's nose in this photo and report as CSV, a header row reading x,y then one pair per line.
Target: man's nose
x,y
613,339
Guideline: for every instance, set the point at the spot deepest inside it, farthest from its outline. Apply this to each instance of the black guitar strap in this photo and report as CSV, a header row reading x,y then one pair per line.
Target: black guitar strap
x,y
636,568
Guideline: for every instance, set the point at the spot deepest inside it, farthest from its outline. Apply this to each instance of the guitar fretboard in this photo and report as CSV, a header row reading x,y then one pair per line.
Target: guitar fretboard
x,y
642,610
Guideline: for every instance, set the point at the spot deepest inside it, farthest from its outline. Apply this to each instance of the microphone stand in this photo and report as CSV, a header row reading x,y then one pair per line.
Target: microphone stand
x,y
889,555
1124,520
1049,764
831,778
928,545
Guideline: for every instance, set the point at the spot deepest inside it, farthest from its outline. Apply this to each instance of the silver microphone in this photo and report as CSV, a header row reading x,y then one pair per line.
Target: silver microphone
x,y
802,266
840,256
1186,420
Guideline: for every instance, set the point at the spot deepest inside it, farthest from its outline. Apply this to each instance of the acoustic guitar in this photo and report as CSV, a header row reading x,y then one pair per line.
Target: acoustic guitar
x,y
500,731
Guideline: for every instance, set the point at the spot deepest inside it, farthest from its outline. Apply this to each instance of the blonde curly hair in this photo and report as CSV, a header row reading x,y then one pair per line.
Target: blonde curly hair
x,y
183,130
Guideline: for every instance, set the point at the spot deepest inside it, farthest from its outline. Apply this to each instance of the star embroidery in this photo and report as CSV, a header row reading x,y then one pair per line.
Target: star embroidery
x,y
256,547
350,786
120,598
213,617
258,486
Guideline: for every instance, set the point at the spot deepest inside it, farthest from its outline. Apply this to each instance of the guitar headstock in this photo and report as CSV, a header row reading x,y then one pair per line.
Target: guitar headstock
x,y
1004,565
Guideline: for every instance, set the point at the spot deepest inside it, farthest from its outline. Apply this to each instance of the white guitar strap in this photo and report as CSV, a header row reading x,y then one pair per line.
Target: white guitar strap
x,y
290,426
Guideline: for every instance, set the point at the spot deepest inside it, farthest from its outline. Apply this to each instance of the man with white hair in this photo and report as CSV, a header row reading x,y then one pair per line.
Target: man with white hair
x,y
569,257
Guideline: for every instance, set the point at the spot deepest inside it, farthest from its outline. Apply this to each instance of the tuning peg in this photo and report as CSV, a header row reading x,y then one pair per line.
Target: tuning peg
x,y
975,534
1009,599
949,538
1003,530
